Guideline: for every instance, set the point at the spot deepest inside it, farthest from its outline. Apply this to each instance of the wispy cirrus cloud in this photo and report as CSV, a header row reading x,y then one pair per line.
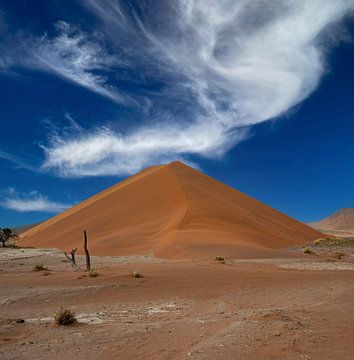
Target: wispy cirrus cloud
x,y
223,66
31,202
104,152
76,57
238,63
19,163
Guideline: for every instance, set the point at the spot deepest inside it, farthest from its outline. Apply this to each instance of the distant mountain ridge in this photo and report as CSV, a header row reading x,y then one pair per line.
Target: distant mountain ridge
x,y
21,229
340,223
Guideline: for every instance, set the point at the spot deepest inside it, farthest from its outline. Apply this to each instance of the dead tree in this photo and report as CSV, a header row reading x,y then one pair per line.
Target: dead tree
x,y
72,258
88,262
73,251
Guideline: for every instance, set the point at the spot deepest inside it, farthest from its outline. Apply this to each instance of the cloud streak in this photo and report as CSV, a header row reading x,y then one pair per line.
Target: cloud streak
x,y
239,62
75,57
31,202
223,66
17,161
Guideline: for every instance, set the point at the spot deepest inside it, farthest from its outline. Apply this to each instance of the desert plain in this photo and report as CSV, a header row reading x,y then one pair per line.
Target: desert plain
x,y
263,298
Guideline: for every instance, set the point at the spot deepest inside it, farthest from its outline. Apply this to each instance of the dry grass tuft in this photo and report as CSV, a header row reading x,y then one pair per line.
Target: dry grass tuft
x,y
136,274
334,241
307,250
93,273
64,317
221,259
39,267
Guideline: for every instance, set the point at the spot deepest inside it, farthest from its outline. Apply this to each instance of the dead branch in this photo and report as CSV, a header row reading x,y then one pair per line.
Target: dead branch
x,y
88,262
73,251
73,264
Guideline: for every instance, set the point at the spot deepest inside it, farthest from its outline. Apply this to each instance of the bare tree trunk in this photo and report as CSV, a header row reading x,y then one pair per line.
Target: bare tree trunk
x,y
88,262
73,251
70,259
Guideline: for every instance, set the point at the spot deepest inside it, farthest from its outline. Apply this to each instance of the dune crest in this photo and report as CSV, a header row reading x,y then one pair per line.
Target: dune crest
x,y
171,211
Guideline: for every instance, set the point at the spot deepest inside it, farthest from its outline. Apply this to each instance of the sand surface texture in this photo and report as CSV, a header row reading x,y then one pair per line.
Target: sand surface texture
x,y
284,308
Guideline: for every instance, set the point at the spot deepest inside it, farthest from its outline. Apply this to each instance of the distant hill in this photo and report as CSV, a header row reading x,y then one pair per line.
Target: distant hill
x,y
21,229
171,210
341,223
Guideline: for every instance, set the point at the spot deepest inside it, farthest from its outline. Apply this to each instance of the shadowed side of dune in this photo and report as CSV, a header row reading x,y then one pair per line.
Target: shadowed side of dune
x,y
220,219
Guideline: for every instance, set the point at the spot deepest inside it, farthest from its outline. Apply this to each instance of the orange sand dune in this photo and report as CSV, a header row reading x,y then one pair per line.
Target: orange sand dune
x,y
171,211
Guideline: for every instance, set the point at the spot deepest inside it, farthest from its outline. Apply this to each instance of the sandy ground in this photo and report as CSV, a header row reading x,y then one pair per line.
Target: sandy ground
x,y
296,307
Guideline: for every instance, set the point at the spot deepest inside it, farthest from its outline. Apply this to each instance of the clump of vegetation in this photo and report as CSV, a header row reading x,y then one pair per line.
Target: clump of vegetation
x,y
64,317
317,242
39,267
5,235
334,241
220,259
307,250
93,273
136,274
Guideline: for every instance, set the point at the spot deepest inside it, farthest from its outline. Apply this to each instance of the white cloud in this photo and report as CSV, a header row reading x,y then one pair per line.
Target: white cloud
x,y
225,65
76,57
240,62
29,202
104,152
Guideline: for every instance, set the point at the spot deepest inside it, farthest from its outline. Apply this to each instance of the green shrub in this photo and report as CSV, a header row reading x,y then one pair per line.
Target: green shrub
x,y
64,317
317,242
334,241
306,250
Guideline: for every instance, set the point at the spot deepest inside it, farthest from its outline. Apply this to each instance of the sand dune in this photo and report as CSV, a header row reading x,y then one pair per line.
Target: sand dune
x,y
171,211
341,223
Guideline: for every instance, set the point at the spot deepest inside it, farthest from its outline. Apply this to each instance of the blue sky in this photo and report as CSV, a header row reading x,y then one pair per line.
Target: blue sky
x,y
256,94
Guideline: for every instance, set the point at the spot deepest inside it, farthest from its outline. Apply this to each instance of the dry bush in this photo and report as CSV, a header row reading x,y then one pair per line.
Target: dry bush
x,y
93,273
64,317
221,259
136,274
334,241
39,267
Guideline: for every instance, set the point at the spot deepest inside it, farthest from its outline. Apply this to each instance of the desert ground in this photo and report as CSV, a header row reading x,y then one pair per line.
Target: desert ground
x,y
287,306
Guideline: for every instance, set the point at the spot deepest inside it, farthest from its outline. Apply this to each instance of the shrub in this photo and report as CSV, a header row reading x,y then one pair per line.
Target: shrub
x,y
64,317
221,259
136,274
93,273
307,250
317,242
39,267
334,241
